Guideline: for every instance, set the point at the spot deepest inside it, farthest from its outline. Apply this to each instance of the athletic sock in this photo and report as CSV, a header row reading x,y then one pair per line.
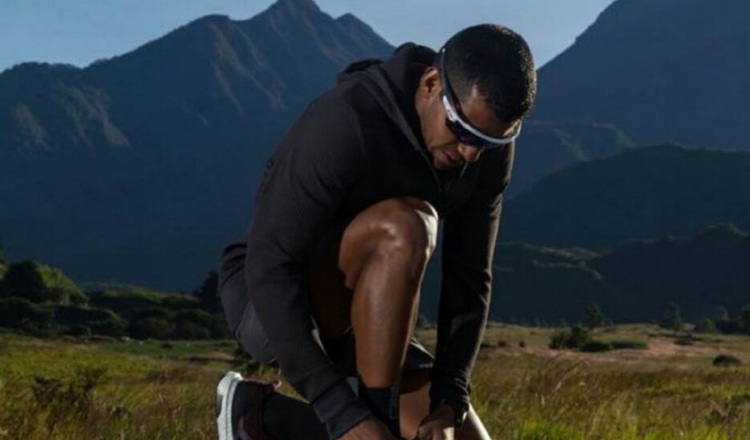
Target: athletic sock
x,y
384,404
285,418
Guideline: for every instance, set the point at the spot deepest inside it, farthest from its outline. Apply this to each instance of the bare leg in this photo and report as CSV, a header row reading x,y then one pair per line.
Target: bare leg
x,y
381,260
382,257
371,284
384,253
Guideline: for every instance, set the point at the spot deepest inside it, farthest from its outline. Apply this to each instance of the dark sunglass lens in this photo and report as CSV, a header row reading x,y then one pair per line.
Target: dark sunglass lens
x,y
464,136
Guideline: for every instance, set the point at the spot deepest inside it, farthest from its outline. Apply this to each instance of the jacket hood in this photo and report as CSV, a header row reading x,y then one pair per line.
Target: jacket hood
x,y
393,83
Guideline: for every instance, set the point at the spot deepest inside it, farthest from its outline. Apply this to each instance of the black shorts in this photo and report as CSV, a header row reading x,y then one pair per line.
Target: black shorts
x,y
246,326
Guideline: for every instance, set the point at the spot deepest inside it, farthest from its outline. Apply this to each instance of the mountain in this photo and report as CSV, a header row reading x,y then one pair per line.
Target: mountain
x,y
546,147
634,282
660,70
640,194
699,273
139,168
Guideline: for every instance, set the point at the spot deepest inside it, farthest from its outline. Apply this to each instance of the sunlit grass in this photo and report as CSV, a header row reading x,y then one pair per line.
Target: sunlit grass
x,y
64,389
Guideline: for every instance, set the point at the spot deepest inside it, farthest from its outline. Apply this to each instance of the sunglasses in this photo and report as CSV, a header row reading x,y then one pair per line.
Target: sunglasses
x,y
466,133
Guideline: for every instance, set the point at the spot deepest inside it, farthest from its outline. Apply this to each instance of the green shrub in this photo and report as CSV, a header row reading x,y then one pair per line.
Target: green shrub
x,y
22,314
177,301
109,327
80,331
126,302
595,346
153,328
575,337
626,344
593,316
559,339
189,330
672,319
726,360
706,325
137,303
157,312
194,316
40,284
215,323
82,315
207,295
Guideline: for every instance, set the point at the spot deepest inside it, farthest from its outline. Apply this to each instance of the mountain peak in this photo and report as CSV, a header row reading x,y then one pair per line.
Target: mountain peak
x,y
296,6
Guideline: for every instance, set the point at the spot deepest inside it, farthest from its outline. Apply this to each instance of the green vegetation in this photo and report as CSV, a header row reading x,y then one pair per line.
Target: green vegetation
x,y
632,282
574,337
40,284
65,388
593,316
672,318
42,301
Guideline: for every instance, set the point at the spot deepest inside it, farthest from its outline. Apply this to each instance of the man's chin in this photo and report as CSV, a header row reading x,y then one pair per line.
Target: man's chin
x,y
445,166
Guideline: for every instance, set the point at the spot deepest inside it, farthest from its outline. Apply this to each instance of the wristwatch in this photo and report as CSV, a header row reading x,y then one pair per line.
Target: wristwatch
x,y
460,411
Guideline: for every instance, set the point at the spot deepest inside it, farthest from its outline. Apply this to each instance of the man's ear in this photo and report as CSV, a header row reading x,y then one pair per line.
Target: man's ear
x,y
429,83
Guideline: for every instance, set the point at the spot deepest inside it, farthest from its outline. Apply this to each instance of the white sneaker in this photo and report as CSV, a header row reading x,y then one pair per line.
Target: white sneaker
x,y
238,398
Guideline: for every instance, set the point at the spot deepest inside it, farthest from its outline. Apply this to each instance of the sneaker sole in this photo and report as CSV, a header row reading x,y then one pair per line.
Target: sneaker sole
x,y
224,399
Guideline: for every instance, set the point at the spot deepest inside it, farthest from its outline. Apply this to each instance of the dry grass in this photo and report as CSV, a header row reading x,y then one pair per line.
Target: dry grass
x,y
61,389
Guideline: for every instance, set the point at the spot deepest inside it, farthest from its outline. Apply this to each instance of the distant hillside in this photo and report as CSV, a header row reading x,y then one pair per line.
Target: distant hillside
x,y
660,70
641,194
632,283
546,147
142,167
699,273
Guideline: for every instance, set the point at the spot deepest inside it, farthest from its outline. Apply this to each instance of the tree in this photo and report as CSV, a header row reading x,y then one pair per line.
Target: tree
x,y
706,325
593,317
672,318
207,294
721,314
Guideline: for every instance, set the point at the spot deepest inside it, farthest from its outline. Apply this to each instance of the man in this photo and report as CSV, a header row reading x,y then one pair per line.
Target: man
x,y
327,283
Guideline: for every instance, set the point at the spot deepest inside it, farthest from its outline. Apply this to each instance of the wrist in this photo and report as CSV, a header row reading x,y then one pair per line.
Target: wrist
x,y
453,412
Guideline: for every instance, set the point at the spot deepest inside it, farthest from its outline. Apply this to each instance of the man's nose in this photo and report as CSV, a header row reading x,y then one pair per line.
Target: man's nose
x,y
469,152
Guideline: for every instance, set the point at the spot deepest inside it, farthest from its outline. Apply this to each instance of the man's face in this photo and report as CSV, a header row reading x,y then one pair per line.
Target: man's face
x,y
446,150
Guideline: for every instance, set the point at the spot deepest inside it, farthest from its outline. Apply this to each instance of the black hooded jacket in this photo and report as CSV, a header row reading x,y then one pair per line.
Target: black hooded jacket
x,y
356,145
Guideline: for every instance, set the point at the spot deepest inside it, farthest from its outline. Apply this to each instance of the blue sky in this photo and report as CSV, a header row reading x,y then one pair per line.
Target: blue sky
x,y
81,31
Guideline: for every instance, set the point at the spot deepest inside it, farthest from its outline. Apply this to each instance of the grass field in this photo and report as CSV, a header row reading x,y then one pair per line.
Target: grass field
x,y
69,389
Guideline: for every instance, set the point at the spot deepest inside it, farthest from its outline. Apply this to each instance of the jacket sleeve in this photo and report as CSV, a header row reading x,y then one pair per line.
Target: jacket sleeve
x,y
469,236
305,182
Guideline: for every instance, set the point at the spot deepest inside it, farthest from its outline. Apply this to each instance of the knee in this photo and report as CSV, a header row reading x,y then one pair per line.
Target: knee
x,y
402,230
406,228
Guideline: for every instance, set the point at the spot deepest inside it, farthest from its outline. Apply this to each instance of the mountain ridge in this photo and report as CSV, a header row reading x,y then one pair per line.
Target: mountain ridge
x,y
141,167
640,194
660,70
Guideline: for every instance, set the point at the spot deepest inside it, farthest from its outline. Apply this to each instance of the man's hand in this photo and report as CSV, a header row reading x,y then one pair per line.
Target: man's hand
x,y
438,425
368,429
